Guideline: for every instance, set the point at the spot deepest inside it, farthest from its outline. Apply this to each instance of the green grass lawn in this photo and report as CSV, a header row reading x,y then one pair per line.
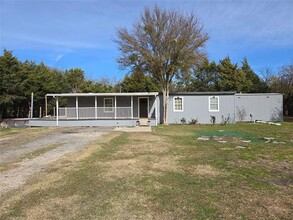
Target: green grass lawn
x,y
167,174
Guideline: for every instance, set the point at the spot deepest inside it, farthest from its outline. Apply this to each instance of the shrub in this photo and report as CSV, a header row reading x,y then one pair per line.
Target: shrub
x,y
241,113
225,120
193,121
183,121
213,119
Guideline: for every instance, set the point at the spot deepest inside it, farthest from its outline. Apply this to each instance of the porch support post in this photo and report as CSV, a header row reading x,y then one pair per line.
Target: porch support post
x,y
76,106
115,106
156,113
57,111
131,104
96,110
46,105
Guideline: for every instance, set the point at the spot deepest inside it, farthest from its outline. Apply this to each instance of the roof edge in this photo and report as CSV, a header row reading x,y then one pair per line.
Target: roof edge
x,y
204,93
103,94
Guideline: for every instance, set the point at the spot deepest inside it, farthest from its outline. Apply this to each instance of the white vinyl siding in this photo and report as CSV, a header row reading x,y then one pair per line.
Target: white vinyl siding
x,y
214,104
178,104
108,105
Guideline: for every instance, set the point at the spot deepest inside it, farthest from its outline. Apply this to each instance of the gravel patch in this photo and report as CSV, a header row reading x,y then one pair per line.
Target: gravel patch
x,y
68,141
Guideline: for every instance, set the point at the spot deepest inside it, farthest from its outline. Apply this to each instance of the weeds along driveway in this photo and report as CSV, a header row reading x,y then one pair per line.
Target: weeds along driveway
x,y
21,161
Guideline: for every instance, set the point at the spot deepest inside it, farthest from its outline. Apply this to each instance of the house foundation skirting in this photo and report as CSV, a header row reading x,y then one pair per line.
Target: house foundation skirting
x,y
91,123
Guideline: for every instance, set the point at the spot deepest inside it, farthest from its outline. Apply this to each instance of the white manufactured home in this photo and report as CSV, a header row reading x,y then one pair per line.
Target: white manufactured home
x,y
128,109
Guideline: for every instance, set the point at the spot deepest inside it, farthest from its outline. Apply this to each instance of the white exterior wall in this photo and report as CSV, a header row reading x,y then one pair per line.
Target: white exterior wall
x,y
197,107
264,106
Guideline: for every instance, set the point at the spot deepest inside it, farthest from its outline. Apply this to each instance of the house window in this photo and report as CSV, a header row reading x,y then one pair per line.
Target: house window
x,y
214,104
178,104
108,105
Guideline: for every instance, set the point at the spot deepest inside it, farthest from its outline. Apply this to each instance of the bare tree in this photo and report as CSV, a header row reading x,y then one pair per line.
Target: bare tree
x,y
164,44
267,75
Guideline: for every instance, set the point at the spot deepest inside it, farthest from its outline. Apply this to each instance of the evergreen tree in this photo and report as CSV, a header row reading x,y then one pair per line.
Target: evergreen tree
x,y
254,83
137,81
10,93
75,79
230,77
205,77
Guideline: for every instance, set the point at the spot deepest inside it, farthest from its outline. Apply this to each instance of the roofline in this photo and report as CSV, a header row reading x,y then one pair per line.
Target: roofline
x,y
256,94
103,94
204,93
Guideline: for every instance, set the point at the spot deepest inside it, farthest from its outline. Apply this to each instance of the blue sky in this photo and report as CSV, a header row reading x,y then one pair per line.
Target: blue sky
x,y
79,33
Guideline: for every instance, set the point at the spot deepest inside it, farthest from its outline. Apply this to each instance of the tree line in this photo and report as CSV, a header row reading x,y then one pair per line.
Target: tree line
x,y
19,79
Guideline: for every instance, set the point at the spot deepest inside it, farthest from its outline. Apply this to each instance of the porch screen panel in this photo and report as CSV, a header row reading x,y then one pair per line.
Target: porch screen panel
x,y
108,105
86,112
70,112
123,112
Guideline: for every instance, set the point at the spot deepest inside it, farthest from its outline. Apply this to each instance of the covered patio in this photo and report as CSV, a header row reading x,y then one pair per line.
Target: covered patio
x,y
95,109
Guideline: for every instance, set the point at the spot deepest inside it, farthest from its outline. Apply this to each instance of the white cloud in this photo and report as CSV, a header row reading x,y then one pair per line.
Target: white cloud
x,y
59,57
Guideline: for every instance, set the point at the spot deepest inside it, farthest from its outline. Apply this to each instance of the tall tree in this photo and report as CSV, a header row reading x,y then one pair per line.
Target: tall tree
x,y
254,83
98,87
283,83
286,79
205,77
75,79
164,44
230,77
137,81
9,81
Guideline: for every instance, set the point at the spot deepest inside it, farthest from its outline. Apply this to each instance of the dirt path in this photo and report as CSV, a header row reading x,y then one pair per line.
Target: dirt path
x,y
65,141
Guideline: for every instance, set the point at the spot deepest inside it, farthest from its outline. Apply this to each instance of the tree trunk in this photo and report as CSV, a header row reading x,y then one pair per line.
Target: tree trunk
x,y
165,104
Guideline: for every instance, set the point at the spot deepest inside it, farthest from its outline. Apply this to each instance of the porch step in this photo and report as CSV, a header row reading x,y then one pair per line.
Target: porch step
x,y
143,122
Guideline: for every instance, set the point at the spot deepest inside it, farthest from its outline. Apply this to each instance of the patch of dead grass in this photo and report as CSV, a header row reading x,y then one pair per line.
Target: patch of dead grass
x,y
139,148
144,137
204,171
143,144
141,165
50,208
253,204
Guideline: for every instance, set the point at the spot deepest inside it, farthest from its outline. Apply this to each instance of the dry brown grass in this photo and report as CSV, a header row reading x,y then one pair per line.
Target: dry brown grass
x,y
253,204
53,176
204,171
50,208
157,176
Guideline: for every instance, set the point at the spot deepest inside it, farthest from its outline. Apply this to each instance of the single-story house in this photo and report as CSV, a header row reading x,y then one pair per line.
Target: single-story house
x,y
128,109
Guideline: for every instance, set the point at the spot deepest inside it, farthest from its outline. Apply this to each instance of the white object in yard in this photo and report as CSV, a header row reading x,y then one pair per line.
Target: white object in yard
x,y
203,138
240,147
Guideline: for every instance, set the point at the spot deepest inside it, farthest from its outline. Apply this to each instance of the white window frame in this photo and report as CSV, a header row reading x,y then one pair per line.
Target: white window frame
x,y
212,110
174,109
112,107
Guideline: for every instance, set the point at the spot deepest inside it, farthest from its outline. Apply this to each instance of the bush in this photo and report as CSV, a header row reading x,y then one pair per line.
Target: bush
x,y
183,121
213,119
193,121
225,120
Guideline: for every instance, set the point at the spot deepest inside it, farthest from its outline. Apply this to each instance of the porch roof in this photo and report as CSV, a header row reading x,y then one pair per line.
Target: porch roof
x,y
103,94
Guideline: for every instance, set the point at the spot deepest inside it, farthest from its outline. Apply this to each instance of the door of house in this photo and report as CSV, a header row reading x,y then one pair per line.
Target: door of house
x,y
143,107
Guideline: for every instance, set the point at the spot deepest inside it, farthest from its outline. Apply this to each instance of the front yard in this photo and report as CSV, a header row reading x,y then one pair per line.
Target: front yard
x,y
175,172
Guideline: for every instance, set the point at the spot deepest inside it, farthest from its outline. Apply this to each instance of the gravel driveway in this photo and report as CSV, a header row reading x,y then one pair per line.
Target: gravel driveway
x,y
65,141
